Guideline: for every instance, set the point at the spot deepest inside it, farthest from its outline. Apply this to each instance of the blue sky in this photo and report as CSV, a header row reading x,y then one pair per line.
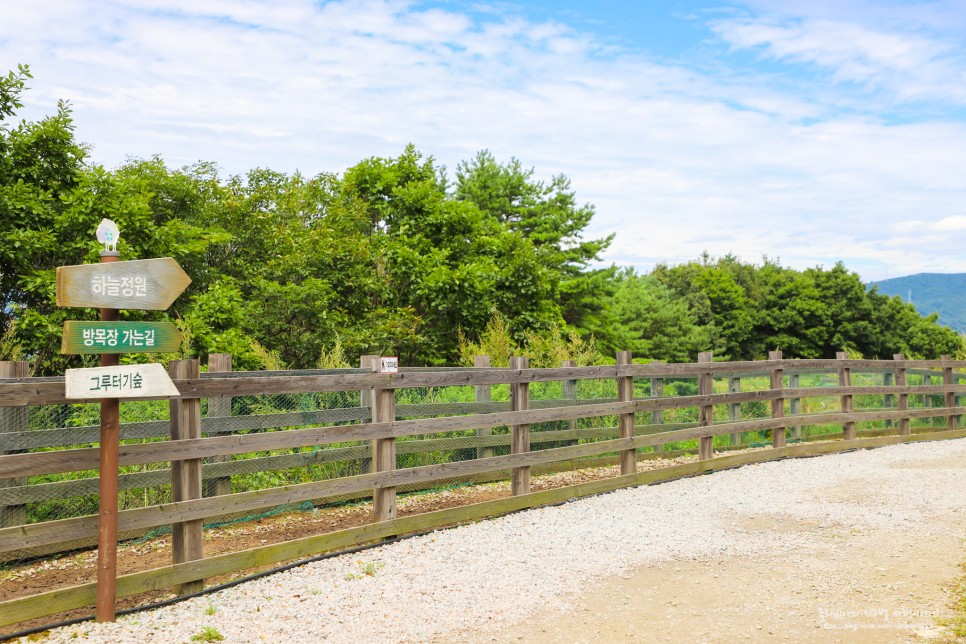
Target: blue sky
x,y
806,131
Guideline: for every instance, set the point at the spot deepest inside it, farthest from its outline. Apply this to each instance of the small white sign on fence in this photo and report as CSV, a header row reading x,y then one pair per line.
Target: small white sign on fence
x,y
127,381
389,365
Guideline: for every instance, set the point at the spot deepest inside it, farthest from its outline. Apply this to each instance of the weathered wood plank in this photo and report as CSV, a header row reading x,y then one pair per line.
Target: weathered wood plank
x,y
519,432
142,284
70,529
12,420
21,609
845,380
80,487
186,537
625,393
383,451
776,382
706,412
217,408
81,459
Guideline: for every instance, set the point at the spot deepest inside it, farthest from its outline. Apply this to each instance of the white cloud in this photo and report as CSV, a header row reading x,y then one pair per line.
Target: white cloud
x,y
677,159
893,58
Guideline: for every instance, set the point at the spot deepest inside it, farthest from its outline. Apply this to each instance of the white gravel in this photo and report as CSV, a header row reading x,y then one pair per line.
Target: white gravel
x,y
502,570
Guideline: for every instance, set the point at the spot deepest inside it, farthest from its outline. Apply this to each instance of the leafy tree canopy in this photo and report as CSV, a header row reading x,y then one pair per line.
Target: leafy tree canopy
x,y
390,258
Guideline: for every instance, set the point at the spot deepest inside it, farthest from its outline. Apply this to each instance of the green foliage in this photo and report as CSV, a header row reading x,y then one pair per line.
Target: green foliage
x,y
546,349
494,341
748,310
333,358
651,322
208,634
391,259
548,216
549,349
10,347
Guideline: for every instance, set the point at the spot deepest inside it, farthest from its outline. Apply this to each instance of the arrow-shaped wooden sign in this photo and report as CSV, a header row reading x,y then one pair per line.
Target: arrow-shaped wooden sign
x,y
119,337
143,284
128,381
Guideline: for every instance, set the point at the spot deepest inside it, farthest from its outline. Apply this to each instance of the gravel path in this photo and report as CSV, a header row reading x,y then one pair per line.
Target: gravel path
x,y
476,580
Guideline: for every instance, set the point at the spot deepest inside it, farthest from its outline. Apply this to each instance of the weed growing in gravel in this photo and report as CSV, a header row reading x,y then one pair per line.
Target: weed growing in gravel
x,y
208,634
955,627
210,609
365,570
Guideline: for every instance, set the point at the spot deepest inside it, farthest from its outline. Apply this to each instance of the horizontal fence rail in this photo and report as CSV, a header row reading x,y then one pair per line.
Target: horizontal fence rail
x,y
356,434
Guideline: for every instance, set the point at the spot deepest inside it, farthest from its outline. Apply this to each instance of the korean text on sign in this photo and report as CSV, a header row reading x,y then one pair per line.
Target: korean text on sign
x,y
100,337
120,286
133,338
116,382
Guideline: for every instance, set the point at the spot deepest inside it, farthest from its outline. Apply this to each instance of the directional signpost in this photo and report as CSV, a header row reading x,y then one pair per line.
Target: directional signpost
x,y
143,284
120,337
146,284
129,381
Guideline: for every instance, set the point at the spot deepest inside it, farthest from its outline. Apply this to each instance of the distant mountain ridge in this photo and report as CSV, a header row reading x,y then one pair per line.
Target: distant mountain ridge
x,y
942,293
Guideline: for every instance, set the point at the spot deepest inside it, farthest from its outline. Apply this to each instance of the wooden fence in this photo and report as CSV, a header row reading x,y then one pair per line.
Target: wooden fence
x,y
377,420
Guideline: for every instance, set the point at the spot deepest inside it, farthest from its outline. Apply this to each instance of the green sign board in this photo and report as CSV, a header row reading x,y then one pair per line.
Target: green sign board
x,y
120,337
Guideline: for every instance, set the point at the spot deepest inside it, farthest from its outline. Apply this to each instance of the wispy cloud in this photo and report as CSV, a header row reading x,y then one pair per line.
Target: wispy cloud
x,y
719,154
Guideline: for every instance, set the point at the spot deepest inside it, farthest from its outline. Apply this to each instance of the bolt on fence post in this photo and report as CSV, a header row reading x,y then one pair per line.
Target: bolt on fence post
x,y
186,538
383,449
625,393
705,412
777,404
950,395
903,397
845,380
734,409
519,434
483,395
13,419
219,407
365,403
657,416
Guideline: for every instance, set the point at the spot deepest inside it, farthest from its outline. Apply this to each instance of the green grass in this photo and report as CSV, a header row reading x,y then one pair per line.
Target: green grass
x,y
954,628
208,634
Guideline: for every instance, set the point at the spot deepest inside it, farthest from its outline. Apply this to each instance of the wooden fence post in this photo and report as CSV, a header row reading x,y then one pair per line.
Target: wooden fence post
x,y
777,404
734,409
625,393
186,539
519,434
657,416
902,398
365,402
888,400
383,449
219,407
483,395
13,419
568,391
845,380
705,412
795,404
950,397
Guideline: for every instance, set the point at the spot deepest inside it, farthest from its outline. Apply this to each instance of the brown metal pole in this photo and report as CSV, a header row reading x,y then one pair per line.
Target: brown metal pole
x,y
107,505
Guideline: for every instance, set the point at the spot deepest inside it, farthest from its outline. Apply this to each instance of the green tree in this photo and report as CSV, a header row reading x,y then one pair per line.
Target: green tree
x,y
719,302
651,322
443,260
547,214
51,201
